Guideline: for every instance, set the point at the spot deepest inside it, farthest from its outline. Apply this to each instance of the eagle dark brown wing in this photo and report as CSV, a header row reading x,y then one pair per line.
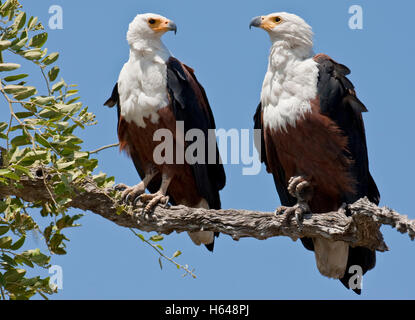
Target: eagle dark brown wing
x,y
338,101
190,105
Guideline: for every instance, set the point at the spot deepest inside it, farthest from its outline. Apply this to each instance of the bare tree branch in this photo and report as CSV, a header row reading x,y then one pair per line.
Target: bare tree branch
x,y
360,227
104,148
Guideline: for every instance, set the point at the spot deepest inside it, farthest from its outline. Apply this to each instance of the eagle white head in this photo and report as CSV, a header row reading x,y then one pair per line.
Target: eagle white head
x,y
287,27
149,26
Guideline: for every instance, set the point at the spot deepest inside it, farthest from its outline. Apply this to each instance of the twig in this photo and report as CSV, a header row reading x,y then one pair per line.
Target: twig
x,y
179,266
104,148
46,80
2,293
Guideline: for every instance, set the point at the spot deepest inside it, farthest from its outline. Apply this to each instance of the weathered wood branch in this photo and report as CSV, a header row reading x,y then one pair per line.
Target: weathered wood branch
x,y
362,228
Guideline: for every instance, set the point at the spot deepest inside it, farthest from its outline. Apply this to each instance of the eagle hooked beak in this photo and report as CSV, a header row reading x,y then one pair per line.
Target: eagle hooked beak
x,y
172,27
256,22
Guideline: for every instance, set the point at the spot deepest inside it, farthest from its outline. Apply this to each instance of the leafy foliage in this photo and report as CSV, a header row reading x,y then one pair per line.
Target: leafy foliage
x,y
40,133
39,138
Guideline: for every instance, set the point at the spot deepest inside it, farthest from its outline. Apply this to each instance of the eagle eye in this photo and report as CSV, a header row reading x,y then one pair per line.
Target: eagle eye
x,y
151,21
278,19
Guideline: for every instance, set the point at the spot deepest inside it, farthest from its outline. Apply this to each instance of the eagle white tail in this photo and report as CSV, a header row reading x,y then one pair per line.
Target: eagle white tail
x,y
202,237
331,257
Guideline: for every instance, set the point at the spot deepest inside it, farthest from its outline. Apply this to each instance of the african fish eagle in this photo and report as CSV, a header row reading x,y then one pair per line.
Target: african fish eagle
x,y
313,137
154,91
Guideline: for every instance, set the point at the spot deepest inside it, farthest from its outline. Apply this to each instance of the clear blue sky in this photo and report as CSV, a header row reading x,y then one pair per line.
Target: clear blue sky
x,y
108,262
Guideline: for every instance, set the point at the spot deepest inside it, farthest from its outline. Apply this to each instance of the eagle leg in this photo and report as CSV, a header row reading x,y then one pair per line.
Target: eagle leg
x,y
131,194
300,188
159,197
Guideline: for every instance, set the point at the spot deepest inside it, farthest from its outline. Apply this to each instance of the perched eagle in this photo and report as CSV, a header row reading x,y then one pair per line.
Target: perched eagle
x,y
154,91
313,137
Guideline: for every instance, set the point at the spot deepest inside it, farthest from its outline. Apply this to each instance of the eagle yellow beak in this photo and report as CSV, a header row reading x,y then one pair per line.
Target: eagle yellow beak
x,y
164,25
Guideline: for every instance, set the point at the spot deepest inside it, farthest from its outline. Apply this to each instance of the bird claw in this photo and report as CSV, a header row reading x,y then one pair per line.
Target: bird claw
x,y
300,210
153,200
130,194
120,187
136,201
299,187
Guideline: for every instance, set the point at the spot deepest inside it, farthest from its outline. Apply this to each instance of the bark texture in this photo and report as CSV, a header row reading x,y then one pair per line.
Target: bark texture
x,y
359,227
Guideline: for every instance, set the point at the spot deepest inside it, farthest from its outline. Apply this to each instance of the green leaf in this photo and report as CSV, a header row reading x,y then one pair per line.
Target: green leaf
x,y
22,115
120,210
177,254
9,260
32,156
70,108
32,55
49,114
22,258
59,251
6,6
157,238
37,257
22,169
20,20
38,40
99,178
30,91
44,100
32,108
74,100
14,275
77,155
14,88
17,44
9,66
51,58
4,44
57,86
32,22
160,263
20,141
3,206
65,165
3,126
5,242
9,174
41,140
53,73
4,230
18,244
14,78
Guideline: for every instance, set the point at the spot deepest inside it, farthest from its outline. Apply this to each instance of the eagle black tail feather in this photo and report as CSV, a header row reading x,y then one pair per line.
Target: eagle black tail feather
x,y
361,257
211,246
